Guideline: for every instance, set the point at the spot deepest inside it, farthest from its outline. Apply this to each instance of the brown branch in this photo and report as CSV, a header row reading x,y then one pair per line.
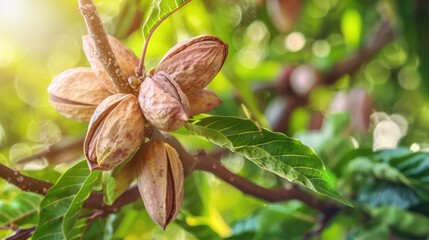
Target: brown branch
x,y
188,160
351,64
207,163
201,161
323,223
281,123
23,182
129,196
21,234
95,200
103,50
29,184
204,162
384,34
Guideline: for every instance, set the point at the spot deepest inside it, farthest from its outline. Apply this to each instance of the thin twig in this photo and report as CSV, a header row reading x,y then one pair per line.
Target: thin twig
x,y
140,70
103,50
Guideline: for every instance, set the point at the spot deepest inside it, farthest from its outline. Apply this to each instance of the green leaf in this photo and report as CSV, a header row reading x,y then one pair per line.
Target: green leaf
x,y
291,218
197,192
86,228
400,166
379,170
70,217
199,231
330,142
22,206
331,129
379,193
372,231
173,232
199,209
122,177
159,11
96,230
108,183
275,152
78,230
66,195
404,221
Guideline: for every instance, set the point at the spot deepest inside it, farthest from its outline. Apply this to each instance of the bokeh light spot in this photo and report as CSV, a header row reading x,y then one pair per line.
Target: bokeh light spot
x,y
19,151
321,48
415,147
395,55
66,55
250,57
377,72
44,132
424,115
294,41
409,78
256,31
2,136
316,11
7,53
401,122
236,15
386,135
302,79
29,81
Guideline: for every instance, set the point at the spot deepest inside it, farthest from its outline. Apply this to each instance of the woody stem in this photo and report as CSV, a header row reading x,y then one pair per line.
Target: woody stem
x,y
103,49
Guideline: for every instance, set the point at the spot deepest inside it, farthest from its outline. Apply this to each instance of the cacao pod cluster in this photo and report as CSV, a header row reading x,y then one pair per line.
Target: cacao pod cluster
x,y
119,122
